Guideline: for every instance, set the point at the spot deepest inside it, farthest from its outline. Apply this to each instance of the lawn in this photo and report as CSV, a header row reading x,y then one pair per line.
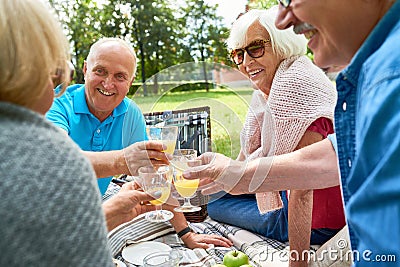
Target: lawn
x,y
228,110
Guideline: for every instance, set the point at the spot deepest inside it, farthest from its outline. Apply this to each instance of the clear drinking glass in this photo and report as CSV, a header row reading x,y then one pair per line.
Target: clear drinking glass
x,y
156,181
166,134
182,160
163,259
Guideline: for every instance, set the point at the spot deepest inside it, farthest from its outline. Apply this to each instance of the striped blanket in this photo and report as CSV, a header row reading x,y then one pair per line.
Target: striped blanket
x,y
261,251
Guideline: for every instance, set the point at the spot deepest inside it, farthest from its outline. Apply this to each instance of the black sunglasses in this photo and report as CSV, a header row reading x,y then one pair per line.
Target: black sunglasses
x,y
284,3
256,50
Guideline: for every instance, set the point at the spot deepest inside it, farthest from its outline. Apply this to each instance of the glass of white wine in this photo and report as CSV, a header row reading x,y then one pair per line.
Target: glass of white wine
x,y
156,181
182,160
166,134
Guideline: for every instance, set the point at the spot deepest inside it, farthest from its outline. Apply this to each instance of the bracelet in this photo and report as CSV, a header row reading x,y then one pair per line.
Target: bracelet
x,y
184,232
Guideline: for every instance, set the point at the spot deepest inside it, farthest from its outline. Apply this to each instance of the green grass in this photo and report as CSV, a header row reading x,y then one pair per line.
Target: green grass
x,y
228,110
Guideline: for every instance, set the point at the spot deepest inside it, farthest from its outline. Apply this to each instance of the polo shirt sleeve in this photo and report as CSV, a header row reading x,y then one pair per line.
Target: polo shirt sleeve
x,y
134,127
57,114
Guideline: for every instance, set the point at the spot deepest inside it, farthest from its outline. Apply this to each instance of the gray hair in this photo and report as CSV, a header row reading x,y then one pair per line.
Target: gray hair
x,y
284,42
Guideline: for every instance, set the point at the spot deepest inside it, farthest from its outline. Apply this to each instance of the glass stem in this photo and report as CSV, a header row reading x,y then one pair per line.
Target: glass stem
x,y
186,202
158,211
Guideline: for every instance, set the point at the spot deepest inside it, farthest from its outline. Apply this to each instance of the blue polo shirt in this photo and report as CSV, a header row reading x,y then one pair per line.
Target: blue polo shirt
x,y
367,123
124,127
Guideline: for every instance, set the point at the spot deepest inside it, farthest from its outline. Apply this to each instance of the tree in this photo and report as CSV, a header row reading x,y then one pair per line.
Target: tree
x,y
262,4
160,31
205,33
80,23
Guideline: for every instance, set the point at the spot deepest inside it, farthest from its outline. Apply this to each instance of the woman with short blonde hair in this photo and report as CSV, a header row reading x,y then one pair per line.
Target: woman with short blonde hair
x,y
32,47
50,210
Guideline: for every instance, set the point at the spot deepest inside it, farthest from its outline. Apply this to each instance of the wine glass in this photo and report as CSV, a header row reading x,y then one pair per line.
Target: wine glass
x,y
163,259
181,161
166,134
156,181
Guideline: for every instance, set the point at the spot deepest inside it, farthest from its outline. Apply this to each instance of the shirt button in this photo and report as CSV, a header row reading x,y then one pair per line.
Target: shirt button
x,y
98,131
349,162
344,106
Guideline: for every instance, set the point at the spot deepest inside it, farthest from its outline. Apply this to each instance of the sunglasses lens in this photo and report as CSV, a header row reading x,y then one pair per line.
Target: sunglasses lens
x,y
237,56
284,3
256,51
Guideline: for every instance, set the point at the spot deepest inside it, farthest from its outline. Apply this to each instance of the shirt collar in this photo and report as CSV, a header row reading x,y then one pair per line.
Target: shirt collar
x,y
80,105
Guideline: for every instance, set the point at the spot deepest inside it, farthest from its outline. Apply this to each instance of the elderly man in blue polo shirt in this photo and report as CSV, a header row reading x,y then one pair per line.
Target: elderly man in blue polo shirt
x,y
97,115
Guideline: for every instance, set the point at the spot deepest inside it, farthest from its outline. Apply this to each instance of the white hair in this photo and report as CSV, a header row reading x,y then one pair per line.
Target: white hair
x,y
284,42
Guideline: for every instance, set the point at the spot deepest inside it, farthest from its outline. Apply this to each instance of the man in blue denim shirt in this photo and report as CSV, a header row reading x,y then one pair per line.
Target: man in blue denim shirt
x,y
365,35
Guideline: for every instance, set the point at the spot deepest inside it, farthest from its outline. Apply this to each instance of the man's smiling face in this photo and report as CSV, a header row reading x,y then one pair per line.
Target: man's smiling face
x,y
108,76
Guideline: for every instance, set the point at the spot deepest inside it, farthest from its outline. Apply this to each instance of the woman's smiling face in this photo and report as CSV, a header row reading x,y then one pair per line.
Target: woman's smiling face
x,y
261,71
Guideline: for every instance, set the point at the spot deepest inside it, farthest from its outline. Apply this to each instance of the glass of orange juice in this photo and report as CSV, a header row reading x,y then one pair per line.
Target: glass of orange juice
x,y
156,181
182,160
166,134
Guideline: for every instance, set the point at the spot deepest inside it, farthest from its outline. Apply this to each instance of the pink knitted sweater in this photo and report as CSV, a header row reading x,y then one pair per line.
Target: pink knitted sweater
x,y
300,94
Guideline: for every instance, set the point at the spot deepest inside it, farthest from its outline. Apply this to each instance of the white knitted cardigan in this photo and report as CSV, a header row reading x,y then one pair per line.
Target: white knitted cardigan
x,y
300,94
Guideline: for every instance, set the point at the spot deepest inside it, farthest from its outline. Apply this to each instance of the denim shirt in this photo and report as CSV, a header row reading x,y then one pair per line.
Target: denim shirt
x,y
367,124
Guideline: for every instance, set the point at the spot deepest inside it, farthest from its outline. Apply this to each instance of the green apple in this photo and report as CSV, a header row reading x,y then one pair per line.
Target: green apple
x,y
235,258
219,265
246,265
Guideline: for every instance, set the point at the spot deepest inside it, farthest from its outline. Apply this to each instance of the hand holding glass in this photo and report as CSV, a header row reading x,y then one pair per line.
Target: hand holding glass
x,y
166,134
156,181
182,160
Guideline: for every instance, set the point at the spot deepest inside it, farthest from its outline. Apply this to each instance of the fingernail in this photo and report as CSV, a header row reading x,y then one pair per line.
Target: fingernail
x,y
186,174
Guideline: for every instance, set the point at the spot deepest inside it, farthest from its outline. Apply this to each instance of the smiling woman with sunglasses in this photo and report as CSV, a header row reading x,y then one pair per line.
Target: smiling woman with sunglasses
x,y
255,50
292,106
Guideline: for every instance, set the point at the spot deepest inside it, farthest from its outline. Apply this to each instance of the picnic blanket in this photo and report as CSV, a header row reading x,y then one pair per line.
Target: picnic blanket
x,y
261,251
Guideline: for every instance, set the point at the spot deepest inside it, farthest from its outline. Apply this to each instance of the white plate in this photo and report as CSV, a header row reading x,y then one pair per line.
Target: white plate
x,y
135,253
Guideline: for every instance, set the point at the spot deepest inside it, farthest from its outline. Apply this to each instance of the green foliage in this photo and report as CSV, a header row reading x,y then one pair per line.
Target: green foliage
x,y
262,4
162,32
77,16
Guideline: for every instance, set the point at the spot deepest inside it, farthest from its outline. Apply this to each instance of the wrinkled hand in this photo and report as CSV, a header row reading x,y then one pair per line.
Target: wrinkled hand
x,y
143,154
193,240
126,205
217,173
